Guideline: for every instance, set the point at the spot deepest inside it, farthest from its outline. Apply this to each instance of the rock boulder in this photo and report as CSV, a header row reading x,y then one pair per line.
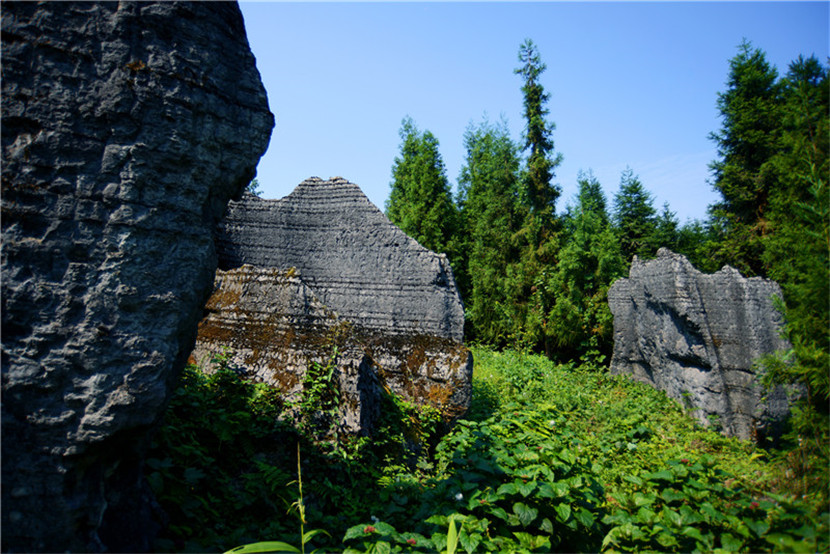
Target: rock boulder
x,y
127,127
323,267
696,336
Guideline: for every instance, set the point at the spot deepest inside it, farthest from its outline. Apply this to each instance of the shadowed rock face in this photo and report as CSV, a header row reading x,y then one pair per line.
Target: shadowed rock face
x,y
697,336
328,269
127,127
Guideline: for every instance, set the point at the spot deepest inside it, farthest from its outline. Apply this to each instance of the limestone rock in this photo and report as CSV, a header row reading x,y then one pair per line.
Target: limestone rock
x,y
273,328
356,261
324,268
127,127
696,336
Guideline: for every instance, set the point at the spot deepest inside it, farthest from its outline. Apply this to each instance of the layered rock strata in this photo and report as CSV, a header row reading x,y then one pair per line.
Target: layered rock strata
x,y
356,261
325,268
697,336
127,127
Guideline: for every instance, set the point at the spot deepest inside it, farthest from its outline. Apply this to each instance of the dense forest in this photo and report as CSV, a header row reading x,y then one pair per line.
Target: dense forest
x,y
556,454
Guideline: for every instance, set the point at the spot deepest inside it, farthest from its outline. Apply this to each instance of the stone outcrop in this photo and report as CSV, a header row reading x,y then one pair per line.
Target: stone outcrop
x,y
356,261
127,127
696,336
323,267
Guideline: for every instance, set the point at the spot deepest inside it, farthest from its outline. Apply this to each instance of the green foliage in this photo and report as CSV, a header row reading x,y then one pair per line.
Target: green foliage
x,y
538,193
215,465
488,196
253,188
581,323
420,201
635,217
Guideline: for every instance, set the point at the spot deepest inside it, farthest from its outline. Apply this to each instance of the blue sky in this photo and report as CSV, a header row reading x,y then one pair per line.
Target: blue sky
x,y
631,84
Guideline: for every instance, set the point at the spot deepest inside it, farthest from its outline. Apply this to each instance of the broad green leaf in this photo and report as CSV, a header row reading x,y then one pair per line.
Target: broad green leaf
x,y
693,532
452,538
508,488
641,499
672,495
525,513
733,544
758,527
563,511
662,475
526,489
585,517
261,547
469,542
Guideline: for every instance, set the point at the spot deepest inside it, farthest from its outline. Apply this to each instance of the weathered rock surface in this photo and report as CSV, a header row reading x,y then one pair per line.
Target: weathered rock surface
x,y
696,336
356,261
127,127
328,269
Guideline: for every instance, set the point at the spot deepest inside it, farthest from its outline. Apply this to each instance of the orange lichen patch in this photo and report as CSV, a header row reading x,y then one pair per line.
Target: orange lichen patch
x,y
215,333
223,298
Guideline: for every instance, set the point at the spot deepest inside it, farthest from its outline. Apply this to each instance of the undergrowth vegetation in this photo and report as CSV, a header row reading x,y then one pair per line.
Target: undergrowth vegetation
x,y
549,458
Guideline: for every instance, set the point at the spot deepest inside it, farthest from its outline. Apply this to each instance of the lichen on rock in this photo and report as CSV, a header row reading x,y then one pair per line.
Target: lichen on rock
x,y
324,267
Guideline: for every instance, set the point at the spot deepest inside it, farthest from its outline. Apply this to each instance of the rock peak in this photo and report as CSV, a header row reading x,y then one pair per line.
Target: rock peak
x,y
357,262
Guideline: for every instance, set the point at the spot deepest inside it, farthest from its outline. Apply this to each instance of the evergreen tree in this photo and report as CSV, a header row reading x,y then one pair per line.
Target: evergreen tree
x,y
666,230
797,241
488,192
751,120
581,323
539,193
634,217
420,201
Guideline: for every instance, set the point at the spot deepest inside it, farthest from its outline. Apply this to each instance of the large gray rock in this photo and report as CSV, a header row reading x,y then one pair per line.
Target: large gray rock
x,y
356,261
324,268
697,336
127,127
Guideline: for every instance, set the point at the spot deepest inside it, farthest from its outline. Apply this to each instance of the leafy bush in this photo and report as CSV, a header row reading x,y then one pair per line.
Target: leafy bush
x,y
550,458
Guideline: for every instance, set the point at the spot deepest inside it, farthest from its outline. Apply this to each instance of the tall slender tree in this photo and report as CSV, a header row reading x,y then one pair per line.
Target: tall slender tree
x,y
420,201
539,191
581,324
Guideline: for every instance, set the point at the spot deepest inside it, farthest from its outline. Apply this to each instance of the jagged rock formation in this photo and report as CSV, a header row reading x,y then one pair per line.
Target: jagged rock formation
x,y
127,127
327,268
696,337
354,259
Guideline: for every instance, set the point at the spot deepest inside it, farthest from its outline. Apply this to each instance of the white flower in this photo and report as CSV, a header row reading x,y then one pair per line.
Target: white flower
x,y
459,497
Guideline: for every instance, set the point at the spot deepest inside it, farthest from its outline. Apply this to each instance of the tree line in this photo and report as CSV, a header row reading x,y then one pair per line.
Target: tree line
x,y
535,278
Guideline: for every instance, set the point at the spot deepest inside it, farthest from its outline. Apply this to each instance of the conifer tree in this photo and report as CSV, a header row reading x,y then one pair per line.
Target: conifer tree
x,y
540,194
488,192
751,125
420,201
634,216
581,324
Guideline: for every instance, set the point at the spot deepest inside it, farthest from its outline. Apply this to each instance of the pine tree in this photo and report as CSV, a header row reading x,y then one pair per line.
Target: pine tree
x,y
634,217
420,201
539,193
488,192
751,116
581,324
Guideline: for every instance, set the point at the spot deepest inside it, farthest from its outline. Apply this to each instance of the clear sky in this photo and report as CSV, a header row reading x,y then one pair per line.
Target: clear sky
x,y
631,84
